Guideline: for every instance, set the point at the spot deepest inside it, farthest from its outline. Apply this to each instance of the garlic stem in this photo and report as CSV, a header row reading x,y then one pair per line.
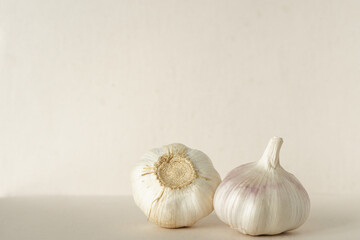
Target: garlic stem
x,y
270,158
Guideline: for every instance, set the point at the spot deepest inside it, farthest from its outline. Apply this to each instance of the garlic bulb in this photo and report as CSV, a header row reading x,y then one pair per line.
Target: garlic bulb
x,y
175,185
261,198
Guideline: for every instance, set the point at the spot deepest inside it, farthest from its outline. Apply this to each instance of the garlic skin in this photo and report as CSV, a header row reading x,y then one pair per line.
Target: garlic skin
x,y
174,185
261,198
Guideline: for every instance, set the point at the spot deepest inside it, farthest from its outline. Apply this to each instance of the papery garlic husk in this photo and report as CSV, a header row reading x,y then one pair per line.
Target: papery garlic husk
x,y
174,185
261,198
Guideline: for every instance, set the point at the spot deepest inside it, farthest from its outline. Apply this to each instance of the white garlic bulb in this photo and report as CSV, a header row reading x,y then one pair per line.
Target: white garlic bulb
x,y
175,185
261,198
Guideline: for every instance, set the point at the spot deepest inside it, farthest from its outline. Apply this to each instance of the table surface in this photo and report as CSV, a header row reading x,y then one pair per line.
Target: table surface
x,y
117,217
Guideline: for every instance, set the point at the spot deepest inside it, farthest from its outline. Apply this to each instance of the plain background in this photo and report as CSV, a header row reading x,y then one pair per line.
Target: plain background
x,y
86,87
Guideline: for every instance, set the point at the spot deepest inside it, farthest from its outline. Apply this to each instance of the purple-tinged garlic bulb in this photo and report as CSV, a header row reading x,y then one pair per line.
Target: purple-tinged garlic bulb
x,y
261,198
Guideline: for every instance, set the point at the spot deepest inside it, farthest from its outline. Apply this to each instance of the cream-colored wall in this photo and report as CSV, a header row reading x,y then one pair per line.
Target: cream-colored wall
x,y
86,87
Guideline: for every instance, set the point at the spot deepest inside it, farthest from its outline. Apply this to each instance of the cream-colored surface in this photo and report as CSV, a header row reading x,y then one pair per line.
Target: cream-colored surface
x,y
333,217
87,86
